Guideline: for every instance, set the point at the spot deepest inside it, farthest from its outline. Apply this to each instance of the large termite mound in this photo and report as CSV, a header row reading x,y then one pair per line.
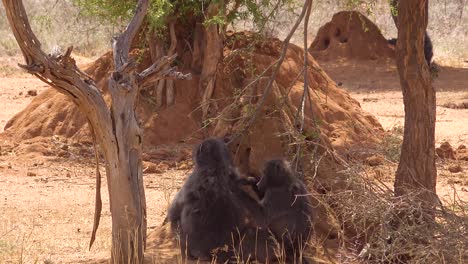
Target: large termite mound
x,y
53,114
350,35
333,116
332,119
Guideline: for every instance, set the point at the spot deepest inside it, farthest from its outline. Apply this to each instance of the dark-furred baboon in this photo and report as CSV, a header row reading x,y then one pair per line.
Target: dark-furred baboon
x,y
210,210
287,206
428,49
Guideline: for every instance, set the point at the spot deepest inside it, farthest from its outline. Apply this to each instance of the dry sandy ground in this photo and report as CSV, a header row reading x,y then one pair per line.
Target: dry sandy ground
x,y
376,86
47,203
47,207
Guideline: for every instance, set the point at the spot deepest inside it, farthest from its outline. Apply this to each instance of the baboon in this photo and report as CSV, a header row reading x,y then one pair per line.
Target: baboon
x,y
288,208
210,208
428,48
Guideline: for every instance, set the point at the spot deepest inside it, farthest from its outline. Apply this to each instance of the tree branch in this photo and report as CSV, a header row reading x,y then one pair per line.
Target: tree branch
x,y
122,43
301,110
60,72
272,78
157,72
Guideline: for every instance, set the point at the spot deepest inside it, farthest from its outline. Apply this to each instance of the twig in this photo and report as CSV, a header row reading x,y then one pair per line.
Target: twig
x,y
272,78
305,93
122,43
98,205
157,71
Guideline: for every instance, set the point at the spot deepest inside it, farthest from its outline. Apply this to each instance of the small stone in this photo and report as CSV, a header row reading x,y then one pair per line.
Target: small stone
x,y
84,151
32,92
373,100
64,147
63,154
455,168
183,166
454,181
31,174
20,93
149,167
462,153
375,160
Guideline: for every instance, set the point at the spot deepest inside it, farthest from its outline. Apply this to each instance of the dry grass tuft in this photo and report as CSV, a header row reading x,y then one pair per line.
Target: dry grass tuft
x,y
381,228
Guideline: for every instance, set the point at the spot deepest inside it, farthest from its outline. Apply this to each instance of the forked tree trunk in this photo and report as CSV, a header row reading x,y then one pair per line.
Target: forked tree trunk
x,y
115,129
416,171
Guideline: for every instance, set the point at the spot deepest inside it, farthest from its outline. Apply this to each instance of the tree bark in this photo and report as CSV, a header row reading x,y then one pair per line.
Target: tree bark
x,y
157,51
170,89
212,56
416,171
116,129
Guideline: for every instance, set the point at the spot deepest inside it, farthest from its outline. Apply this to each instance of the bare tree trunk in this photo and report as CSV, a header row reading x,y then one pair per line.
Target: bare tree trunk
x,y
157,51
428,53
416,171
198,44
170,89
212,56
116,129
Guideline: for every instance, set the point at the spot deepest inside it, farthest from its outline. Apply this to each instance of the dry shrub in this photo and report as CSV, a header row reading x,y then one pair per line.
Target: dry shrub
x,y
391,143
381,228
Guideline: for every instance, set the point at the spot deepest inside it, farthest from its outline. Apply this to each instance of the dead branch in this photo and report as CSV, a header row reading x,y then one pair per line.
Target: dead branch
x,y
301,109
272,78
122,44
98,205
155,68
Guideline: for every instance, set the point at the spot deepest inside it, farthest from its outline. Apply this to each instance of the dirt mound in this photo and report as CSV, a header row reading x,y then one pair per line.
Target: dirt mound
x,y
341,120
452,105
446,151
350,35
52,113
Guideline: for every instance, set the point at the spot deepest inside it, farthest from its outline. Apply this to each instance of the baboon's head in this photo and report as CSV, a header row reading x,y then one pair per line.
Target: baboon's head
x,y
212,153
276,173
